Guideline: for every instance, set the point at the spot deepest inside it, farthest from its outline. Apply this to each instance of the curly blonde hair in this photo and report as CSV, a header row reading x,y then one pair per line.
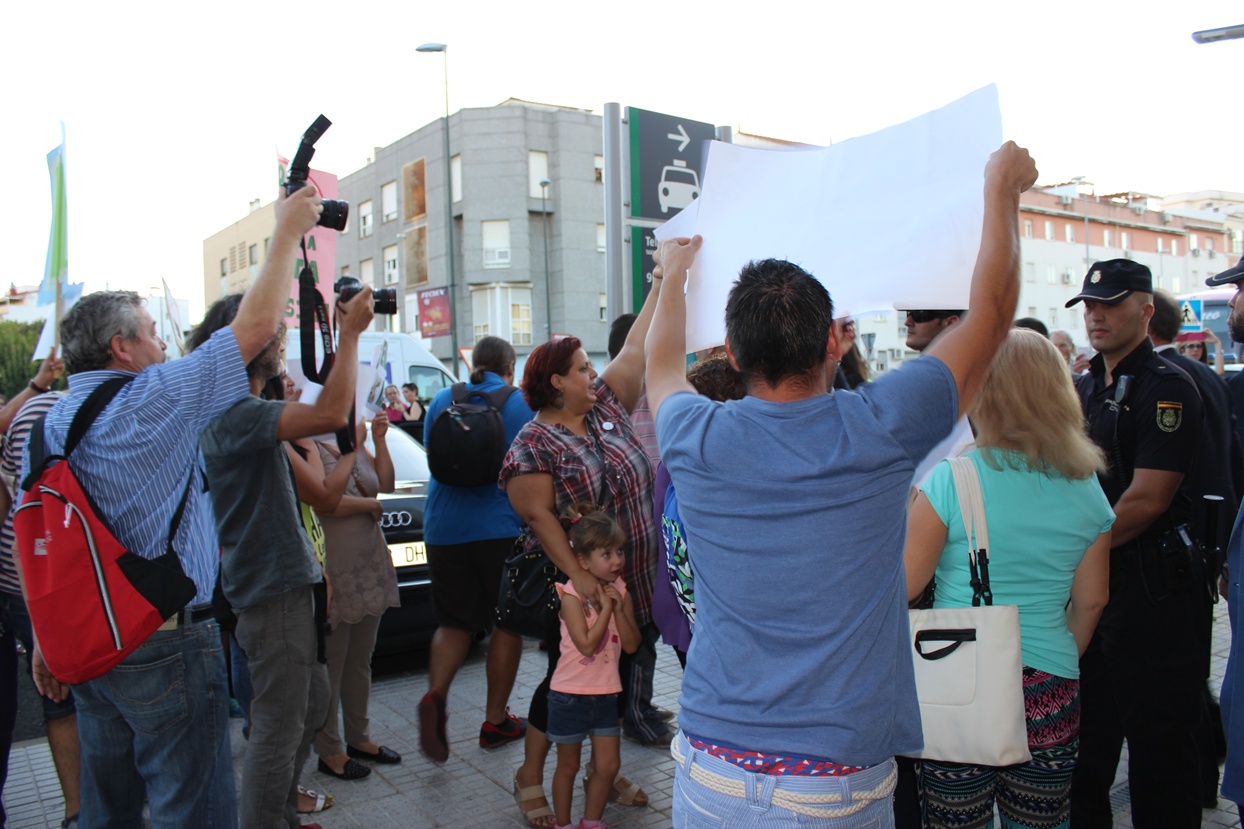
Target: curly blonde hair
x,y
1029,406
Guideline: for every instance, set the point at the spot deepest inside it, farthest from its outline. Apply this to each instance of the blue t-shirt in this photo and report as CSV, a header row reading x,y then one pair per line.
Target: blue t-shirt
x,y
795,519
1039,528
461,514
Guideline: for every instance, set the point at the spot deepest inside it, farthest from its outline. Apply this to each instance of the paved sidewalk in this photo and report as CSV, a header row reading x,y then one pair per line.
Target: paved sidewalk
x,y
473,788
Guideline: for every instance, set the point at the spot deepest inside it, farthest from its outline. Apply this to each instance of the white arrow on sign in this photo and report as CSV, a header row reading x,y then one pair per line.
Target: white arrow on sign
x,y
680,136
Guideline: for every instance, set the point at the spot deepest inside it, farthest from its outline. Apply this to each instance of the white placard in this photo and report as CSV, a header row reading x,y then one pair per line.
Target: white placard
x,y
891,219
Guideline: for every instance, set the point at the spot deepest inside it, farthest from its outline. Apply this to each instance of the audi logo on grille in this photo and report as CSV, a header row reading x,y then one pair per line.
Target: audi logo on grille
x,y
397,518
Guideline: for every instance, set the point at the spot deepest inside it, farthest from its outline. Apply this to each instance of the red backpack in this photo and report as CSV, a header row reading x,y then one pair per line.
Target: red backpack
x,y
91,601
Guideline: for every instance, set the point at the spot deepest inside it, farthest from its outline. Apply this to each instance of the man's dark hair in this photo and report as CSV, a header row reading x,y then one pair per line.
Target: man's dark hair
x,y
778,319
491,354
86,332
1032,324
618,330
220,315
1165,322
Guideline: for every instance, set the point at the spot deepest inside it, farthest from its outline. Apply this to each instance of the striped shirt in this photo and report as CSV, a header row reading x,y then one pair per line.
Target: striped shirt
x,y
138,456
10,464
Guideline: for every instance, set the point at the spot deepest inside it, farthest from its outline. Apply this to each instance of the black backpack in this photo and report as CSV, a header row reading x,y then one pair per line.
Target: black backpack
x,y
466,443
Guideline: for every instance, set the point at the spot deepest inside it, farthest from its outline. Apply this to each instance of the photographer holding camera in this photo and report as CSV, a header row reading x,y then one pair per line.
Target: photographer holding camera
x,y
135,461
269,573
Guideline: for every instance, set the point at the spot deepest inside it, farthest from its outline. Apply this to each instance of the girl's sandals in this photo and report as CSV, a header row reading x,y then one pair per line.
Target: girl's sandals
x,y
319,801
624,792
538,817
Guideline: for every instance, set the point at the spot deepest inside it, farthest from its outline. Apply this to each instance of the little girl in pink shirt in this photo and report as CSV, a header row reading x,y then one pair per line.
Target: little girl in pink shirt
x,y
583,694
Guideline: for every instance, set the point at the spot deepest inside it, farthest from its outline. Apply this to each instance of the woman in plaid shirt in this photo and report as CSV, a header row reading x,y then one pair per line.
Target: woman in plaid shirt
x,y
581,448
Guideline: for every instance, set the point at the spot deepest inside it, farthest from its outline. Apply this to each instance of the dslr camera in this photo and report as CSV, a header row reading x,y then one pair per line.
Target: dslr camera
x,y
384,300
336,213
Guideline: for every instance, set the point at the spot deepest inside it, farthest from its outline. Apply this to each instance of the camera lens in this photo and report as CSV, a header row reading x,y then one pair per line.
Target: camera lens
x,y
385,301
335,215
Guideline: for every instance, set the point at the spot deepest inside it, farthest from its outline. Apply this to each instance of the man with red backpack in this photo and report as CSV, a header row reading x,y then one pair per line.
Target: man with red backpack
x,y
156,725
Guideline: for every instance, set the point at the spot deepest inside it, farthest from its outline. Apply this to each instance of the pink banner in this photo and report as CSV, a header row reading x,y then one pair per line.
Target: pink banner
x,y
321,250
434,312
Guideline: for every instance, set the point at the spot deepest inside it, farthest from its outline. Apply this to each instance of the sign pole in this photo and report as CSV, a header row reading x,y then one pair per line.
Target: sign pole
x,y
615,197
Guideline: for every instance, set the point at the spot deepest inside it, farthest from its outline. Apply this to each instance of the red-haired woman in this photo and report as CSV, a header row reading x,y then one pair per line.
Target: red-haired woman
x,y
581,448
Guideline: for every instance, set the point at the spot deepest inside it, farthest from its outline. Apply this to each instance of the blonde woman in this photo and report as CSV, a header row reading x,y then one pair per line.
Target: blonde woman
x,y
1049,530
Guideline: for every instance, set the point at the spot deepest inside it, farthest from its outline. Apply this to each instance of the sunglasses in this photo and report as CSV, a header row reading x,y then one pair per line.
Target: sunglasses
x,y
927,316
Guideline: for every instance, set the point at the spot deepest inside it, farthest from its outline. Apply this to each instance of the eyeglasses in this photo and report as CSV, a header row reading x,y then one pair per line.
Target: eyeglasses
x,y
927,316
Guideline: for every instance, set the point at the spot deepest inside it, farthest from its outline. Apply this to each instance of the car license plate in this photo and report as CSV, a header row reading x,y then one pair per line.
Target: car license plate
x,y
408,554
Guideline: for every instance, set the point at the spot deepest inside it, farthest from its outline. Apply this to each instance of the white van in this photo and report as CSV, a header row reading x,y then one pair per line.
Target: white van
x,y
407,361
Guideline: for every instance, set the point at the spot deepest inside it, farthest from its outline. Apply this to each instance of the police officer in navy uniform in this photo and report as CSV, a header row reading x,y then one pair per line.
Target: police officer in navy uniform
x,y
1139,677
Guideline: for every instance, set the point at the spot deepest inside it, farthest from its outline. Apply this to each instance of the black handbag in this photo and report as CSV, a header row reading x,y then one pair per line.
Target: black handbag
x,y
528,603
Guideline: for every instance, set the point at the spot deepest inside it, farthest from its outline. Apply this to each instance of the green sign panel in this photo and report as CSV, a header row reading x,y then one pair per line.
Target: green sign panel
x,y
643,246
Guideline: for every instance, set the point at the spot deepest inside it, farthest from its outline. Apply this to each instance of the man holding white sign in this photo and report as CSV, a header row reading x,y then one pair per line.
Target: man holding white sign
x,y
794,637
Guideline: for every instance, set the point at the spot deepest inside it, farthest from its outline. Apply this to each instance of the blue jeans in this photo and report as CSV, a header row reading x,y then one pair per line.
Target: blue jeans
x,y
156,726
697,806
573,717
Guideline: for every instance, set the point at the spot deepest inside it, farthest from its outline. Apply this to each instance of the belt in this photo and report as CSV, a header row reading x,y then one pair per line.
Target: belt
x,y
189,615
800,803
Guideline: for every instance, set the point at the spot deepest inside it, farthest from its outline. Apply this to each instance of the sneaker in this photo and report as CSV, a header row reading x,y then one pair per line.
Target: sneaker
x,y
432,719
511,728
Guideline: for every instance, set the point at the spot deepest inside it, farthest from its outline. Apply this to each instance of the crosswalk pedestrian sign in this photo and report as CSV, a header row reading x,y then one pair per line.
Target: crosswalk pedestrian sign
x,y
1190,315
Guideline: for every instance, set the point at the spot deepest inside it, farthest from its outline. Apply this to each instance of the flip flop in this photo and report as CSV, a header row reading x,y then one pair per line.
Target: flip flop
x,y
629,795
322,801
525,793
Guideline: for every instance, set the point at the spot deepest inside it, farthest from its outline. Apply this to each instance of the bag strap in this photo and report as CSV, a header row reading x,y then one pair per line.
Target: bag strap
x,y
496,398
972,511
181,508
91,408
459,393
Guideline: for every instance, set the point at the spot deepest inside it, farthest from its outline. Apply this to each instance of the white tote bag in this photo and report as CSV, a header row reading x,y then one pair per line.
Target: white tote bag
x,y
969,671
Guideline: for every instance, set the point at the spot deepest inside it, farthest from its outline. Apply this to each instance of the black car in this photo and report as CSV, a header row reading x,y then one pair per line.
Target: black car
x,y
411,625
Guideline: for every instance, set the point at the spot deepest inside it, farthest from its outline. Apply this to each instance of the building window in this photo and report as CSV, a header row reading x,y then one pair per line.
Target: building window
x,y
1069,233
496,244
390,265
520,322
1051,274
1237,241
502,309
252,255
1053,317
1030,272
1105,238
367,272
1174,247
600,169
1125,240
1192,241
1049,231
1209,244
604,308
1160,245
345,270
388,202
1174,284
224,266
1027,228
537,171
600,238
455,178
365,219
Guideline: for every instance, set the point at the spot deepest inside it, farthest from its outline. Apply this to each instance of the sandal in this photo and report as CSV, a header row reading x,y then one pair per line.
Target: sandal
x,y
624,792
322,801
527,793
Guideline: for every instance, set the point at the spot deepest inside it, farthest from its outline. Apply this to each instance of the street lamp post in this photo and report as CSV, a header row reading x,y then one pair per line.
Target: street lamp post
x,y
449,209
548,282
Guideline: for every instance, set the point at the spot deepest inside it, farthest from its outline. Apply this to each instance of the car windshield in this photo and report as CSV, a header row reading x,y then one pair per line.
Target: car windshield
x,y
677,175
428,381
410,462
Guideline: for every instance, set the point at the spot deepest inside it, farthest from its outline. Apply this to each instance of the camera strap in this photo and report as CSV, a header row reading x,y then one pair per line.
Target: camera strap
x,y
314,314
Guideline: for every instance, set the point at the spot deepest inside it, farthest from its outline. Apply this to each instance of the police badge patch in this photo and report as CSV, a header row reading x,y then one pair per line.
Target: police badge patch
x,y
1170,415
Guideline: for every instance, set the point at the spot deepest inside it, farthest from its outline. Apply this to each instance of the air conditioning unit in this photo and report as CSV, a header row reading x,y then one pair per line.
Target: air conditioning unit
x,y
1139,210
1196,251
496,257
1064,200
1210,254
1166,218
1067,277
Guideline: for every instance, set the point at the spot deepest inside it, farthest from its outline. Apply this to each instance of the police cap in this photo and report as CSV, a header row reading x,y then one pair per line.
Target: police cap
x,y
1111,281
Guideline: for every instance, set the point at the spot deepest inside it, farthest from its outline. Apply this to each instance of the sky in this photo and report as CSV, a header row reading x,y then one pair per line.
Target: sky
x,y
174,112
